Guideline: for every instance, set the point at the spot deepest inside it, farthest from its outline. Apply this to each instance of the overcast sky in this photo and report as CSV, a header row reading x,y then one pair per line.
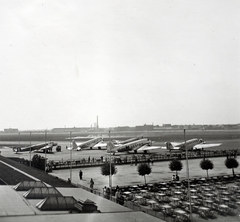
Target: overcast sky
x,y
131,62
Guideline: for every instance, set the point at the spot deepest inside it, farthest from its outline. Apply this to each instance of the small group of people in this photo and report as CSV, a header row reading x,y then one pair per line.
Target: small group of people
x,y
106,192
149,160
118,194
175,177
134,159
48,168
119,197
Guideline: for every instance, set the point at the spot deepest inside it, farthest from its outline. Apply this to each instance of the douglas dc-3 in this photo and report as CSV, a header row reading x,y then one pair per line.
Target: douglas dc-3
x,y
143,145
193,144
89,144
119,143
36,148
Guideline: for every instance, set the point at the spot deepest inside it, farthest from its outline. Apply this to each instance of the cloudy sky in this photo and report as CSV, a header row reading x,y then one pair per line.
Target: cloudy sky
x,y
131,62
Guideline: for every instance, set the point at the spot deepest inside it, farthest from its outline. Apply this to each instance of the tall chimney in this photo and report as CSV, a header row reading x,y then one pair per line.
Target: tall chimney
x,y
97,122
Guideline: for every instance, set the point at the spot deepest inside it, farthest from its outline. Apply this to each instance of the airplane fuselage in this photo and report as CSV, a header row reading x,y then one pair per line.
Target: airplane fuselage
x,y
89,144
34,147
181,146
133,145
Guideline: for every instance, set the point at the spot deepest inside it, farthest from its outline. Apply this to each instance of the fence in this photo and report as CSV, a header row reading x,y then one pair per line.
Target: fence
x,y
139,158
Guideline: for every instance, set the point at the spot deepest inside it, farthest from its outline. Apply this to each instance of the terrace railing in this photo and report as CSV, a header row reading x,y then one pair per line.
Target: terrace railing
x,y
139,158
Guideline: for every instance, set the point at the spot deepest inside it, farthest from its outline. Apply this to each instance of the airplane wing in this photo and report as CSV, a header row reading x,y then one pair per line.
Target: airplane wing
x,y
165,148
146,147
174,144
205,145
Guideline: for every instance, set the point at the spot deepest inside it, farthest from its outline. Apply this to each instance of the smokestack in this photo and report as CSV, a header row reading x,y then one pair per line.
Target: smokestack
x,y
97,122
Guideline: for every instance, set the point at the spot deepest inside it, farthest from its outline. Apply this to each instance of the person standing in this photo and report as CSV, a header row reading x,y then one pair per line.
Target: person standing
x,y
91,185
80,174
117,196
108,193
177,178
104,191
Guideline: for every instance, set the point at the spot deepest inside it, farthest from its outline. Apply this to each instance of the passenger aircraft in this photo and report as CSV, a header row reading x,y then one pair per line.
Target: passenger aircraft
x,y
143,144
103,145
193,144
117,142
35,148
89,144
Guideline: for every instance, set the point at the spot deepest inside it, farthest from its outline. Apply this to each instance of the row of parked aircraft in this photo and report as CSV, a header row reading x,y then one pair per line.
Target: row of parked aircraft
x,y
140,144
136,145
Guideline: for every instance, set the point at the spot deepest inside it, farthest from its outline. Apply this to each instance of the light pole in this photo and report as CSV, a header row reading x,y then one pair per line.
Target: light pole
x,y
30,149
189,196
110,164
45,152
70,157
19,144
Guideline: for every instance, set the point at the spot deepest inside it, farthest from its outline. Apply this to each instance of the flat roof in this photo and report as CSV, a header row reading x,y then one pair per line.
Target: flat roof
x,y
93,217
14,207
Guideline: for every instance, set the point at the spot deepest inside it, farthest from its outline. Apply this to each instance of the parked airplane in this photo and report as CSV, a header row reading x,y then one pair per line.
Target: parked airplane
x,y
35,148
103,145
89,144
143,144
193,144
117,142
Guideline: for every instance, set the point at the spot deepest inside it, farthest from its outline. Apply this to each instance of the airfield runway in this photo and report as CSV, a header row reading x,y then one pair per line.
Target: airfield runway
x,y
127,174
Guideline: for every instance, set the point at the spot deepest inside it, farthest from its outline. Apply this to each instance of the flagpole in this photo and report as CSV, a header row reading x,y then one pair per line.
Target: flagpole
x,y
189,196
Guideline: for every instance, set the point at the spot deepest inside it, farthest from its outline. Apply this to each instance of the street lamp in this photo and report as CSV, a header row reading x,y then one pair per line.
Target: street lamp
x,y
110,164
19,144
45,151
70,157
30,148
189,196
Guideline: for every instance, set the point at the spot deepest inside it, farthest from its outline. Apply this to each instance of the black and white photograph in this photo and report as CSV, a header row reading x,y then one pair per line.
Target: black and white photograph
x,y
120,110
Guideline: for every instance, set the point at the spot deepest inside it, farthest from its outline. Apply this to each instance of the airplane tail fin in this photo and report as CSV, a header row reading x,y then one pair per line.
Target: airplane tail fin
x,y
169,146
74,145
110,146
